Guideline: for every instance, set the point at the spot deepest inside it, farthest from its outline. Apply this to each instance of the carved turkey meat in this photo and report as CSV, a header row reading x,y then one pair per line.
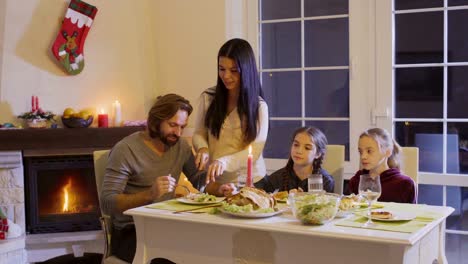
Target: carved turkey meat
x,y
258,198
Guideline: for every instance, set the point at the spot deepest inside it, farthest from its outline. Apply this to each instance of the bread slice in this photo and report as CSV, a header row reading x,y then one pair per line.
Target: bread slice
x,y
381,215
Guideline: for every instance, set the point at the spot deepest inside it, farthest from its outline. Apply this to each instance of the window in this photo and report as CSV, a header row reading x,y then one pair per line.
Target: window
x,y
304,65
423,83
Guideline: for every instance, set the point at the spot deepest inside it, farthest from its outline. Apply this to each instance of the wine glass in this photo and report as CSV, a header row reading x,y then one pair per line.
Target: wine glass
x,y
369,188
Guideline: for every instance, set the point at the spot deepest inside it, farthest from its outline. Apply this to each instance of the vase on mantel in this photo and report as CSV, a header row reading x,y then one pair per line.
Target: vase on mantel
x,y
37,123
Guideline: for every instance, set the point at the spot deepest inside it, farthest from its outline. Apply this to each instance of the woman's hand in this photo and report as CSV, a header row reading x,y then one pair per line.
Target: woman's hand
x,y
202,158
215,169
226,189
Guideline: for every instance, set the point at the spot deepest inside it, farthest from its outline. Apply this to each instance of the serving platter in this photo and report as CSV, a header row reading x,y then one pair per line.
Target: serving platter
x,y
191,201
253,214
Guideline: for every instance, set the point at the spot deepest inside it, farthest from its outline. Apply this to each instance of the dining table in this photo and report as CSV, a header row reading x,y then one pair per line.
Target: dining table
x,y
211,236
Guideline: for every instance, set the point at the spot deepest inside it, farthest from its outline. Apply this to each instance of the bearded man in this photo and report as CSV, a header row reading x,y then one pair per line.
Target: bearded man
x,y
144,168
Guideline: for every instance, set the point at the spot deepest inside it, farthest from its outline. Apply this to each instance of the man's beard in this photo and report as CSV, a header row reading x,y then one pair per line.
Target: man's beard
x,y
166,142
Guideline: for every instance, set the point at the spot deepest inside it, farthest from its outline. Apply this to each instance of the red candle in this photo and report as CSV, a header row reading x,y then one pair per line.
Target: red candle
x,y
37,102
249,180
32,103
103,119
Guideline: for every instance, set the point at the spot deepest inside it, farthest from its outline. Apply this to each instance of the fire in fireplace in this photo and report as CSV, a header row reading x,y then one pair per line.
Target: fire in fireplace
x,y
61,194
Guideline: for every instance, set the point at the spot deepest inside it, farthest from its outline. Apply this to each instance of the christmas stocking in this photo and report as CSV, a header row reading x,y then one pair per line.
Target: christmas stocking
x,y
68,46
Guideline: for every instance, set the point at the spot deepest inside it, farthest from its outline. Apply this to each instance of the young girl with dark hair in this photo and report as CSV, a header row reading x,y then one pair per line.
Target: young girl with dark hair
x,y
380,155
307,153
231,116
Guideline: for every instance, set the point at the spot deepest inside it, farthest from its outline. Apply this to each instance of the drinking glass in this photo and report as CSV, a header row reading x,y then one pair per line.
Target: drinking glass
x,y
369,188
241,177
315,182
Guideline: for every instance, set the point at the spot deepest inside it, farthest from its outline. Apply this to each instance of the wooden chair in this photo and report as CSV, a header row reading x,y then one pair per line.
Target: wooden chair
x,y
410,164
334,163
100,162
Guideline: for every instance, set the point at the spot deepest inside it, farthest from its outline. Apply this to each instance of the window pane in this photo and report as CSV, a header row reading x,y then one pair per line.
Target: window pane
x,y
283,93
430,194
279,139
457,92
278,9
456,246
281,45
457,37
325,8
413,4
427,136
457,147
419,92
337,132
414,43
457,2
457,197
327,93
326,42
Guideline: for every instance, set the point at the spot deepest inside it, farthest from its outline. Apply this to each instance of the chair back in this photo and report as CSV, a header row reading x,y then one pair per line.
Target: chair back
x,y
334,163
410,164
100,158
100,163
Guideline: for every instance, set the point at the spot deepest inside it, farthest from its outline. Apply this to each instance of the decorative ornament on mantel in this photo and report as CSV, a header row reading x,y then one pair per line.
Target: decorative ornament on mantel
x,y
37,118
69,44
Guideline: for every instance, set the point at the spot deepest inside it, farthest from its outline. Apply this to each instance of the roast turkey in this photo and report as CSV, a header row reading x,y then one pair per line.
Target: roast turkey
x,y
248,195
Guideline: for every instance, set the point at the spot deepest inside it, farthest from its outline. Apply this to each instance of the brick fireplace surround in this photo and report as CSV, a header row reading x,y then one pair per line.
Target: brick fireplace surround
x,y
14,145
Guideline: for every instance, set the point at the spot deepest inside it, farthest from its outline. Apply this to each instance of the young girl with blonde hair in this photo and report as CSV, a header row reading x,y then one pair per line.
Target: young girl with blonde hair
x,y
380,155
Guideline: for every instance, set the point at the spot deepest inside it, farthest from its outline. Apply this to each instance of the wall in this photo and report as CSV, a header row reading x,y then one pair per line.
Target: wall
x,y
188,35
134,51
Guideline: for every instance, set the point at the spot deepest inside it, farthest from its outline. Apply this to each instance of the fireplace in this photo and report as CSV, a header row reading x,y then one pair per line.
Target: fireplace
x,y
60,193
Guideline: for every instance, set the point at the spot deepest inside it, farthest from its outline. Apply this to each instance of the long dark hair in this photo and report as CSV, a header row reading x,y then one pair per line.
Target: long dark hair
x,y
320,141
165,108
241,52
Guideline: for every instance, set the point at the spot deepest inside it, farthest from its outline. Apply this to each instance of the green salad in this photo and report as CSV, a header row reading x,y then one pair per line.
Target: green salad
x,y
202,197
232,208
315,209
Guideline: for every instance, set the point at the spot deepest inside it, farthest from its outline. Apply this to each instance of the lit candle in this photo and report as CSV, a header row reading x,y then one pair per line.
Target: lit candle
x,y
117,115
32,103
37,103
103,119
249,180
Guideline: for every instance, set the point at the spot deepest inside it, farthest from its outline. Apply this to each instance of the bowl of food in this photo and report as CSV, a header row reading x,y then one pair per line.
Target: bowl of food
x,y
77,122
348,204
314,208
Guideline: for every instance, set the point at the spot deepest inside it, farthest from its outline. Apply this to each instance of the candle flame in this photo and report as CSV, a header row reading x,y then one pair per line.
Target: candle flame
x,y
102,110
250,149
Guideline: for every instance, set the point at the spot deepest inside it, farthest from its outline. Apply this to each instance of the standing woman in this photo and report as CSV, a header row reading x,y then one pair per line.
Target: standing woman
x,y
231,116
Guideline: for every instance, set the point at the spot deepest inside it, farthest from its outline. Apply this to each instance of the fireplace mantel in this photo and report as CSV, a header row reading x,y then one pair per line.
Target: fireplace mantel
x,y
62,140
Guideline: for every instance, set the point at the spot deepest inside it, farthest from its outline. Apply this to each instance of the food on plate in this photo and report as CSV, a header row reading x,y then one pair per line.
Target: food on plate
x,y
281,196
381,215
315,208
201,197
349,202
249,200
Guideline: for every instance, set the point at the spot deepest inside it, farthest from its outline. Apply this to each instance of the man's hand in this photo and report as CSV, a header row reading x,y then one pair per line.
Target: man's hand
x,y
202,158
215,169
162,185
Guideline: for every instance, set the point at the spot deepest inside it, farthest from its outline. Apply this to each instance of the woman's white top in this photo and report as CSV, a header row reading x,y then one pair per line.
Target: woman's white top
x,y
230,147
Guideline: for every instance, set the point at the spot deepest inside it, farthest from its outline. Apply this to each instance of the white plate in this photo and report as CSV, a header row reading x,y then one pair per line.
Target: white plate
x,y
397,216
190,201
253,214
